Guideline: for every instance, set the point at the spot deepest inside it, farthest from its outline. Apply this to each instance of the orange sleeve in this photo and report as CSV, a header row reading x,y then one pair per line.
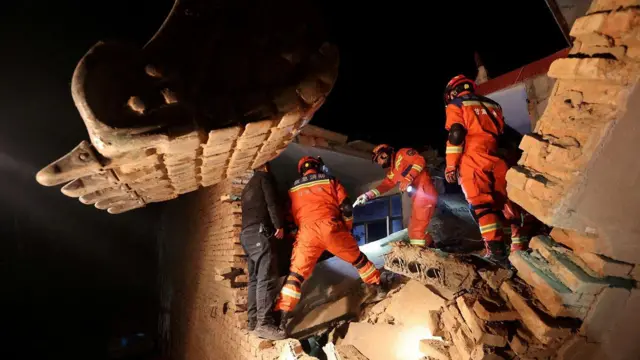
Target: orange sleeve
x,y
454,152
344,204
414,163
386,185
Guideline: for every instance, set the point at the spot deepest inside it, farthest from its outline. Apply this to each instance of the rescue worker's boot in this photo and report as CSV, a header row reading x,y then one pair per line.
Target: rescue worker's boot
x,y
519,246
270,331
284,321
378,292
497,253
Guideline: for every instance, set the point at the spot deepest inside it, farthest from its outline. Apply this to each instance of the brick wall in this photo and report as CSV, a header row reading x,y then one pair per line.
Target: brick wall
x,y
579,173
209,277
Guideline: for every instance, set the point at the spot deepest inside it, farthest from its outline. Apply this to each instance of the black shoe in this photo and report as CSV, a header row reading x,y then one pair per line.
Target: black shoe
x,y
284,321
497,253
270,332
377,293
251,325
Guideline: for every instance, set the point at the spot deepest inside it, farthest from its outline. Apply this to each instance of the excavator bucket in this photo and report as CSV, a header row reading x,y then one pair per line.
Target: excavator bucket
x,y
220,89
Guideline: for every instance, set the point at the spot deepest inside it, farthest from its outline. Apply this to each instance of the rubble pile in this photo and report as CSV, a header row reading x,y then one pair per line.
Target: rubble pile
x,y
550,307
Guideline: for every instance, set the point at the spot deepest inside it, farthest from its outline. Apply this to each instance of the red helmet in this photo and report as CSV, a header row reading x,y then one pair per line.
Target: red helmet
x,y
383,150
457,86
309,163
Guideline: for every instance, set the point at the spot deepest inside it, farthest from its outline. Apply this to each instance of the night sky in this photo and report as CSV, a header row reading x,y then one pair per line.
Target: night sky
x,y
73,276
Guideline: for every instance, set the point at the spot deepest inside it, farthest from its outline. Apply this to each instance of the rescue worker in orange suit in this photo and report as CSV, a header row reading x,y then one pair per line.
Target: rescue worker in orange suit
x,y
474,124
324,216
407,168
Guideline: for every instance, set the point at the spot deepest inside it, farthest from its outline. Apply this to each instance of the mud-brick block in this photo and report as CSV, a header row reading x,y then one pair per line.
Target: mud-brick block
x,y
481,332
608,5
526,346
541,325
577,242
604,266
216,149
257,128
434,349
601,317
568,272
225,135
591,69
517,177
557,298
542,210
488,311
289,119
250,142
593,92
577,348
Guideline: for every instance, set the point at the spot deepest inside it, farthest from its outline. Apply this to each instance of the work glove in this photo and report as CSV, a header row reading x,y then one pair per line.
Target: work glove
x,y
451,174
361,200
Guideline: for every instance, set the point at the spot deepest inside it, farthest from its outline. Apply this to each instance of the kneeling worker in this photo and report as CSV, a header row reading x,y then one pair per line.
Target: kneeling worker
x,y
407,168
262,225
323,213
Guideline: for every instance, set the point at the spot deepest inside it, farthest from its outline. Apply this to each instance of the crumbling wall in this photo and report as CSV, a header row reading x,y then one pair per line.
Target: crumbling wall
x,y
579,173
209,277
538,92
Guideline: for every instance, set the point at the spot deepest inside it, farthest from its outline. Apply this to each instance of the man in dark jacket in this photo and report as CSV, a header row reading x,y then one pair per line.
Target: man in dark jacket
x,y
262,224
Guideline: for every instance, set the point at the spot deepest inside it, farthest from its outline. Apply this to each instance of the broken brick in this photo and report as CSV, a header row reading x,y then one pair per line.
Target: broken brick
x,y
607,5
591,69
487,312
576,241
558,299
454,354
604,266
593,92
434,349
481,333
570,274
540,325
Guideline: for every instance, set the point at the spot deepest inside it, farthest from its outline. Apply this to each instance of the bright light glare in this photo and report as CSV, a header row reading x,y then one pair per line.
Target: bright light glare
x,y
409,345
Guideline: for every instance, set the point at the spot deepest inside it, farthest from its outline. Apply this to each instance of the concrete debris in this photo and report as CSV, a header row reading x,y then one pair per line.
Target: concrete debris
x,y
446,273
415,305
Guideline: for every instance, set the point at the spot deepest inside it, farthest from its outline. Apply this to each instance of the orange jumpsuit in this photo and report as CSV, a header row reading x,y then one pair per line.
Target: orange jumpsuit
x,y
316,202
408,166
481,173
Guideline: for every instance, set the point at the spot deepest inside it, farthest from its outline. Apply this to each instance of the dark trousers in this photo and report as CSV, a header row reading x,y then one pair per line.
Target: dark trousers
x,y
263,274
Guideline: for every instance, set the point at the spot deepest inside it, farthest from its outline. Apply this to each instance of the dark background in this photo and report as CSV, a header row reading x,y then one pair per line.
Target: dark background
x,y
73,277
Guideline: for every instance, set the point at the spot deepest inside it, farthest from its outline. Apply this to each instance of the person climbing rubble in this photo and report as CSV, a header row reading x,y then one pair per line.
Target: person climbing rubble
x,y
475,124
262,225
407,168
324,216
